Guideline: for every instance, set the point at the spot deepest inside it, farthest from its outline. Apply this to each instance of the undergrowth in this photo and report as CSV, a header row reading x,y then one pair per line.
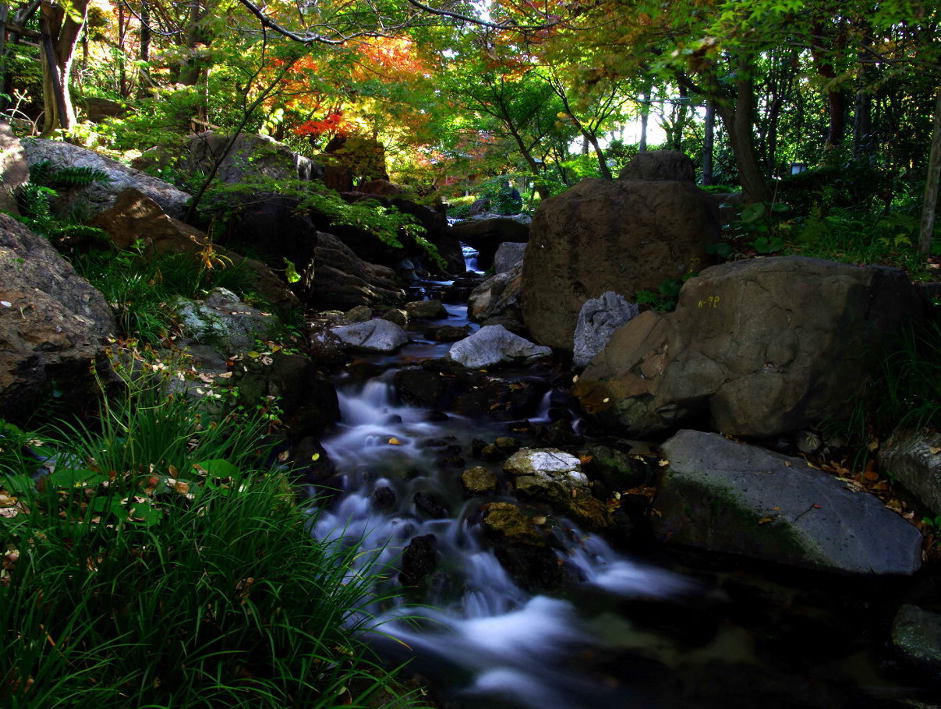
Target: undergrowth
x,y
154,560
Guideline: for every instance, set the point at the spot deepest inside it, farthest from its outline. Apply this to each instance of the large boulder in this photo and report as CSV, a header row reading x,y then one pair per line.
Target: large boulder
x,y
496,299
376,335
223,321
509,255
659,165
52,324
250,156
343,280
914,460
486,235
137,219
618,235
14,172
99,196
762,347
492,345
597,321
731,497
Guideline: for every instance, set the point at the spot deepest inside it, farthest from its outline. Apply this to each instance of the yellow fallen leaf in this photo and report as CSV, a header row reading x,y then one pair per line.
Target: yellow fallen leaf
x,y
766,520
394,442
663,463
934,451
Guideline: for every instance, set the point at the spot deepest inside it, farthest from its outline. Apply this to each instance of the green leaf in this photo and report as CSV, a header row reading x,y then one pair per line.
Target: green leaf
x,y
753,212
217,468
18,484
69,478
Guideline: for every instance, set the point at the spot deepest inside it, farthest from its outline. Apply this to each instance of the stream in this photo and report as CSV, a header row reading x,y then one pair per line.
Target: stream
x,y
624,631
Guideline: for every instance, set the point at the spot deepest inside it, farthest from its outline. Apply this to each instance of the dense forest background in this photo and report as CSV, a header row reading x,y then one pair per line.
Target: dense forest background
x,y
538,93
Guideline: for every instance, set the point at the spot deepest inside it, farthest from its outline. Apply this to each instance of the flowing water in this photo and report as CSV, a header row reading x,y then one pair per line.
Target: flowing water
x,y
622,632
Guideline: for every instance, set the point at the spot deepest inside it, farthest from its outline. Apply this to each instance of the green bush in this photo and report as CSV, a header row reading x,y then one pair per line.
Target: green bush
x,y
157,563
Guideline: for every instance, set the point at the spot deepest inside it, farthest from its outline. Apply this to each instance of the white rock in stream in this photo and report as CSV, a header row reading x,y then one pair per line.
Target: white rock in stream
x,y
494,344
374,335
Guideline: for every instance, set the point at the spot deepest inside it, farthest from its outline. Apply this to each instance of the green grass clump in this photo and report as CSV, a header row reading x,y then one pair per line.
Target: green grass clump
x,y
159,564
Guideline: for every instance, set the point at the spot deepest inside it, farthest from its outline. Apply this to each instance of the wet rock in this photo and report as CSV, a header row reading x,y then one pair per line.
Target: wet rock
x,y
508,521
431,505
493,345
450,333
762,347
425,310
374,335
610,235
53,324
99,196
418,386
478,481
223,321
509,254
383,498
397,316
496,300
459,291
419,559
914,460
731,497
358,313
556,477
308,400
618,468
312,461
597,321
916,634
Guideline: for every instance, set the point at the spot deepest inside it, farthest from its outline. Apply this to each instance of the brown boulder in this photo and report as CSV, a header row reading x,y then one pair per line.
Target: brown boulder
x,y
486,235
344,280
659,165
762,347
137,218
604,235
52,324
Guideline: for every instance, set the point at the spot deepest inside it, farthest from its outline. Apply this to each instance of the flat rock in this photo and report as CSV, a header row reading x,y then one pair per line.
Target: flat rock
x,y
914,460
376,335
916,634
731,497
494,344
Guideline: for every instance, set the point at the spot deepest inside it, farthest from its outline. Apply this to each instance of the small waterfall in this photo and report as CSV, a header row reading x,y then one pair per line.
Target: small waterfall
x,y
506,642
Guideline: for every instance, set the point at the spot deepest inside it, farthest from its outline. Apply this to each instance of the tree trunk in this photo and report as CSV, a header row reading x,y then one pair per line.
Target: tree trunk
x,y
143,88
708,143
644,118
59,34
739,123
930,206
4,12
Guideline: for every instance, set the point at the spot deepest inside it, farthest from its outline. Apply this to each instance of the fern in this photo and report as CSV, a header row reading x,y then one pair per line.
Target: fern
x,y
44,174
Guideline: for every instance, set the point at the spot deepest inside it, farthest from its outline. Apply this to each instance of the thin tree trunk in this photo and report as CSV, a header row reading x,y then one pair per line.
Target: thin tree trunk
x,y
708,144
644,118
4,12
145,34
930,206
59,33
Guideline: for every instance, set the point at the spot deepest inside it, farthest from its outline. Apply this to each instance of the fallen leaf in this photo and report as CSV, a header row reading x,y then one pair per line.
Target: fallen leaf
x,y
934,450
394,442
766,520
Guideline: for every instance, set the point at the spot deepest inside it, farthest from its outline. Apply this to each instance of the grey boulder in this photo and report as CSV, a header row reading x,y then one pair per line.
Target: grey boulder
x,y
597,321
731,497
494,344
376,335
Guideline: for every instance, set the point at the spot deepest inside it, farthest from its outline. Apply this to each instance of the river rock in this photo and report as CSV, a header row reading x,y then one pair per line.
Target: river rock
x,y
425,309
916,635
52,324
725,496
509,254
597,321
610,235
223,321
486,235
376,335
492,345
914,460
514,523
556,477
14,171
496,301
478,481
99,196
764,347
419,559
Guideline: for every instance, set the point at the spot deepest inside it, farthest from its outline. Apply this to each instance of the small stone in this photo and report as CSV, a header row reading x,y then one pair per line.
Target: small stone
x,y
478,481
360,313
